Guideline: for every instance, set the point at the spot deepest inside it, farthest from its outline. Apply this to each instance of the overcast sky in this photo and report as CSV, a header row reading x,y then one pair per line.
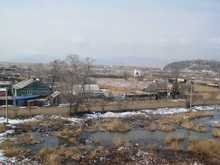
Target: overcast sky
x,y
145,32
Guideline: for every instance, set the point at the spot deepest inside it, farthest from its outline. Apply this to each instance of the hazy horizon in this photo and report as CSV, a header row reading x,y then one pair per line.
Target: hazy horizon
x,y
143,32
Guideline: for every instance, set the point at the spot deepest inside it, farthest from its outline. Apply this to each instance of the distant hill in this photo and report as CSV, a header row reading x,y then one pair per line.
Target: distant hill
x,y
194,65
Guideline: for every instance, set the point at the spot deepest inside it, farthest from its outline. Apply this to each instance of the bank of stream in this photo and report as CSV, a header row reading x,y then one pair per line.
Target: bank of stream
x,y
93,138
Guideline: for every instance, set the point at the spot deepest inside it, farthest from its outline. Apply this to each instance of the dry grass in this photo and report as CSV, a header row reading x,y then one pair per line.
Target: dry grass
x,y
45,157
58,156
26,139
55,124
117,141
204,88
166,128
168,124
184,120
187,124
208,149
194,127
70,135
93,154
97,107
11,150
109,125
152,147
174,143
216,133
115,125
184,117
3,128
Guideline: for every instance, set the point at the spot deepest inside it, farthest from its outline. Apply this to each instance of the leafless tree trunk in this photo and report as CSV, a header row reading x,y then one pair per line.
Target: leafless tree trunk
x,y
74,76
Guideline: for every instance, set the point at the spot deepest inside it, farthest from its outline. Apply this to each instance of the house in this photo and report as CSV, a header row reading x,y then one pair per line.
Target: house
x,y
159,89
28,90
138,74
90,90
55,98
6,86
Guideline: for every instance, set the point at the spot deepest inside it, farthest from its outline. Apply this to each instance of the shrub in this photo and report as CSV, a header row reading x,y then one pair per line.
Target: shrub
x,y
191,126
115,125
166,128
3,128
206,148
174,143
11,150
216,132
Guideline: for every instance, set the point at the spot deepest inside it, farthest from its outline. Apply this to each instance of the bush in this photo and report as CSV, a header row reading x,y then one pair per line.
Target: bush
x,y
191,126
3,128
216,132
208,149
58,156
174,143
70,135
115,125
166,128
11,150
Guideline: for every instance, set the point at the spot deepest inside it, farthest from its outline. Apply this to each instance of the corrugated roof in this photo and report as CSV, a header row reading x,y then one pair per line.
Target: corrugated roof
x,y
23,84
55,94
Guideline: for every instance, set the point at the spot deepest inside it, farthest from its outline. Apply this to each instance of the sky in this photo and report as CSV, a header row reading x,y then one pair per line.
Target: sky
x,y
136,32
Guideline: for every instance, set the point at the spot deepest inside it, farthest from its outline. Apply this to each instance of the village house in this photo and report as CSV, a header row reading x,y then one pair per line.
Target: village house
x,y
5,86
89,90
28,90
138,75
158,89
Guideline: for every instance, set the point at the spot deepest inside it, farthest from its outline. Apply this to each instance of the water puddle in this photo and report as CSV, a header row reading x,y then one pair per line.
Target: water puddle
x,y
45,141
145,137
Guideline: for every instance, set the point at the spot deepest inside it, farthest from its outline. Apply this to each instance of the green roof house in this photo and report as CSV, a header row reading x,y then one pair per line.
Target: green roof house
x,y
31,87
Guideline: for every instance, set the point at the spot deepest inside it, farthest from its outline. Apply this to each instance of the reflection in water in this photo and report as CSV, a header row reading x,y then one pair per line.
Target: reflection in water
x,y
139,136
45,141
145,137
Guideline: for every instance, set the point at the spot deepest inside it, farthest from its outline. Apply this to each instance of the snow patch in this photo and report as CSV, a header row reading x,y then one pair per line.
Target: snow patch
x,y
3,137
115,115
72,119
205,108
145,113
166,111
16,121
170,111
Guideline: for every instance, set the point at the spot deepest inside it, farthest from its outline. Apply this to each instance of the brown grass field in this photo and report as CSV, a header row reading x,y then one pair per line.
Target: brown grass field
x,y
113,106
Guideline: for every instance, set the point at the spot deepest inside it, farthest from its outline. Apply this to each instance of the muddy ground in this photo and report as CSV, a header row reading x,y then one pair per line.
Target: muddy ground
x,y
183,138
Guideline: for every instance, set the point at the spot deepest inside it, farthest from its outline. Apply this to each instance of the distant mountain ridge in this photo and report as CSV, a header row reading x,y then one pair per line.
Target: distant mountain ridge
x,y
194,65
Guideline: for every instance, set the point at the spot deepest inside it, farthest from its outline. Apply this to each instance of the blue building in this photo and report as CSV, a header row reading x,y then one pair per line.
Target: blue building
x,y
28,90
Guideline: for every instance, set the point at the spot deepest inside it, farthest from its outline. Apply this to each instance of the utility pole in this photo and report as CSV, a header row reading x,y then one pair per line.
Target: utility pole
x,y
5,90
6,103
191,91
167,88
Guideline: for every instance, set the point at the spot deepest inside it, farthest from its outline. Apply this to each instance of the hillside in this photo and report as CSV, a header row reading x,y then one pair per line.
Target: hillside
x,y
194,65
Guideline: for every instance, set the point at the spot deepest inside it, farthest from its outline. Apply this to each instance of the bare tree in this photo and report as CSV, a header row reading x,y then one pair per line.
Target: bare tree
x,y
55,72
175,89
40,71
189,94
74,77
